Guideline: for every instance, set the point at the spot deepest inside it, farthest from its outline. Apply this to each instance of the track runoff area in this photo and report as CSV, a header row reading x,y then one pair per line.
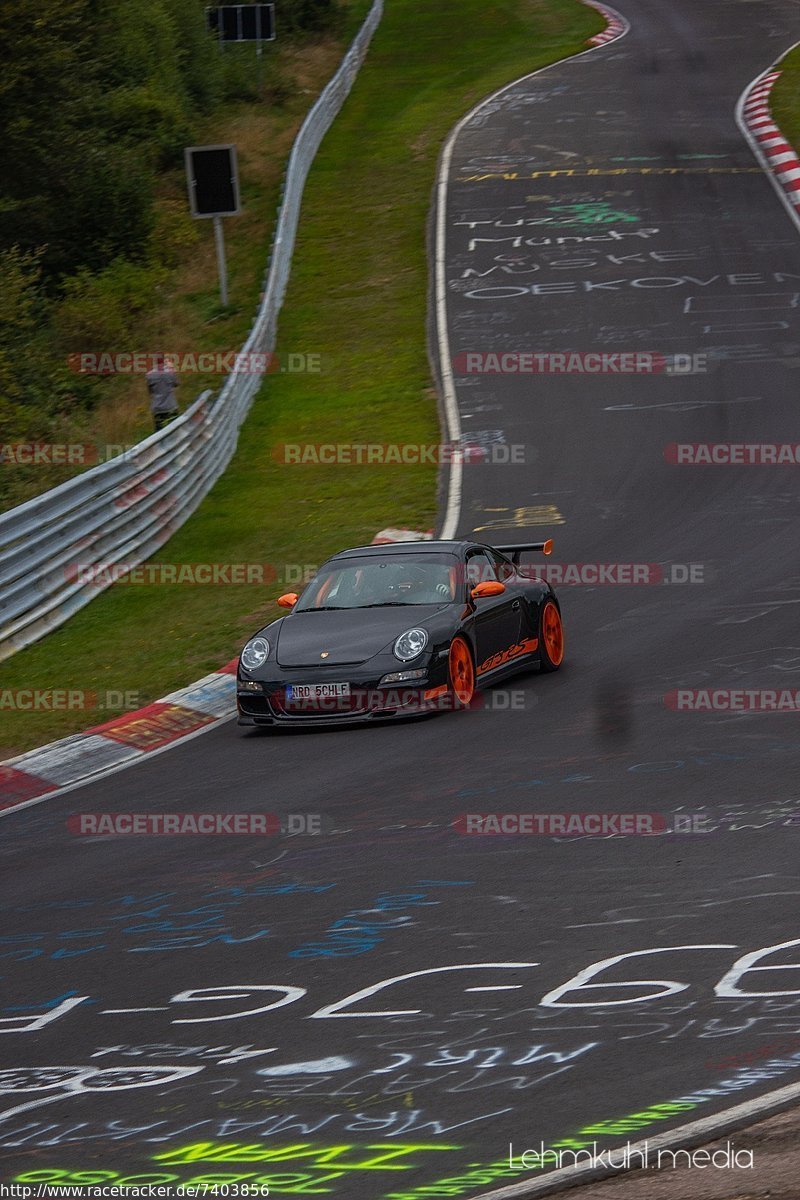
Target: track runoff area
x,y
566,920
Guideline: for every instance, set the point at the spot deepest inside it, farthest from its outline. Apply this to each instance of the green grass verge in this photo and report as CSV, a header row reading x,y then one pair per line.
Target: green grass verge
x,y
785,98
357,297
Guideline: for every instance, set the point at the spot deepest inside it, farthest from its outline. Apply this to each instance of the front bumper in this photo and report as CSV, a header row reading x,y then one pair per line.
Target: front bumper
x,y
368,700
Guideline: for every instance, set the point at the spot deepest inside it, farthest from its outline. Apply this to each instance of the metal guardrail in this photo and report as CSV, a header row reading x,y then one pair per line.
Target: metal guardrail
x,y
121,512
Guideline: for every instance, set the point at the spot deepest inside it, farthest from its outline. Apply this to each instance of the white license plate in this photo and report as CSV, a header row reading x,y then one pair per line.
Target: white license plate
x,y
317,691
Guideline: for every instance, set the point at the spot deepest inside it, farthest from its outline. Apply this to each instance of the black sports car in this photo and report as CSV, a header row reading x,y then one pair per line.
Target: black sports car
x,y
396,630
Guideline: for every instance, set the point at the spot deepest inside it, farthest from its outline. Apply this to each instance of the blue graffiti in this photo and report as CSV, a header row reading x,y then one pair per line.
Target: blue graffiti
x,y
352,934
159,916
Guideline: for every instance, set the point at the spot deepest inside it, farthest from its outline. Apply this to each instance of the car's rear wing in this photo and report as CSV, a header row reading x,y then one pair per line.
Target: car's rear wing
x,y
513,552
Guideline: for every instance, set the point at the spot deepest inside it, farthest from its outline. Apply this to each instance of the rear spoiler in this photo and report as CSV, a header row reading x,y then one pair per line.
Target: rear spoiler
x,y
514,552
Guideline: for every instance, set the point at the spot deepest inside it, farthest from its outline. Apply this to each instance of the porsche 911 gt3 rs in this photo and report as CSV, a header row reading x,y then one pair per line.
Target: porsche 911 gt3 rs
x,y
388,631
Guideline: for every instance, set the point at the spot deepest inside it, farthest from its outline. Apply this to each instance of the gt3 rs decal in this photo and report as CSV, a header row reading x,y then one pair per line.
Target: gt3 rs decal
x,y
505,656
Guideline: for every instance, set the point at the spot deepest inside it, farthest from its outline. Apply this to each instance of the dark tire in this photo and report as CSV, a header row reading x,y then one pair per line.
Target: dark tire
x,y
460,673
551,637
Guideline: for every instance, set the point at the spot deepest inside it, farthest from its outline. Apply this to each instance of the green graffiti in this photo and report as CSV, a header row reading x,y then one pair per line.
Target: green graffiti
x,y
94,1178
313,1156
637,1120
324,1165
596,212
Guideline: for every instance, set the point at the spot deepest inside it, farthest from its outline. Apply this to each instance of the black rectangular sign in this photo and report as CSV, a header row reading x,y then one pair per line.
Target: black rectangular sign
x,y
242,22
212,175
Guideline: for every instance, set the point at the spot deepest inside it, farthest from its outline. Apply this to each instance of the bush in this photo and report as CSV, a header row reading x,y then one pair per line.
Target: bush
x,y
174,231
39,396
312,16
98,312
149,118
96,97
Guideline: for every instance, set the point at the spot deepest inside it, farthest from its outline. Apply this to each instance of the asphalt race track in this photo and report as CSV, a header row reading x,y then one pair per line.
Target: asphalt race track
x,y
415,1016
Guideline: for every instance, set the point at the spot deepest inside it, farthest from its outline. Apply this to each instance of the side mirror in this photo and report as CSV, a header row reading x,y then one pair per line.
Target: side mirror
x,y
288,601
490,587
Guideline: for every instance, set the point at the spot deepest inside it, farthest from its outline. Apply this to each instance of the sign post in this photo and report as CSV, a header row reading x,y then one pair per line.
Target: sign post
x,y
222,269
213,180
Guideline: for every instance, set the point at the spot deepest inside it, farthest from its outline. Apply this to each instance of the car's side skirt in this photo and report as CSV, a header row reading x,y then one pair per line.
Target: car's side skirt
x,y
523,650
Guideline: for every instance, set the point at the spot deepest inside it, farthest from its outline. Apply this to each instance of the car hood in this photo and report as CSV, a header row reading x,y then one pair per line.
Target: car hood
x,y
347,636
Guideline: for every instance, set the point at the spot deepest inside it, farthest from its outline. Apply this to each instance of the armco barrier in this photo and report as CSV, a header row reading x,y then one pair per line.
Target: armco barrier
x,y
125,509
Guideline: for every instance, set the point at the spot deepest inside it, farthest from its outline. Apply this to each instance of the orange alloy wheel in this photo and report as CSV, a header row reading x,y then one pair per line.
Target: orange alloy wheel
x,y
461,672
552,637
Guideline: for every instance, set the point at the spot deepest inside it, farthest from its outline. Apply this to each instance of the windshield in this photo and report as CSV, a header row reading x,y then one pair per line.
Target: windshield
x,y
374,582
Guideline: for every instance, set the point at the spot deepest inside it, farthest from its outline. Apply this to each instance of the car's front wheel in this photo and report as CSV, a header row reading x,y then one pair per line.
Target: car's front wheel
x,y
461,673
551,637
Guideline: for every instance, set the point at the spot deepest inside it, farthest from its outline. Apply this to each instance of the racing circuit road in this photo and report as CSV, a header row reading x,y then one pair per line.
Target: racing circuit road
x,y
414,978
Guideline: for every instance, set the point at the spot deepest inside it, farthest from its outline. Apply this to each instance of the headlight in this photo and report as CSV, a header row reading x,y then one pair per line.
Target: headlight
x,y
255,653
410,644
403,676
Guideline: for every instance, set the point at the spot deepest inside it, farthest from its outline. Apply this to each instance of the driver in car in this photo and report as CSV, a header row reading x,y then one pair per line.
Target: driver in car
x,y
403,583
428,584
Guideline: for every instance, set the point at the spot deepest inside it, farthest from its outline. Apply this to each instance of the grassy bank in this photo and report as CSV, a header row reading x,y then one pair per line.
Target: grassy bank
x,y
357,298
785,98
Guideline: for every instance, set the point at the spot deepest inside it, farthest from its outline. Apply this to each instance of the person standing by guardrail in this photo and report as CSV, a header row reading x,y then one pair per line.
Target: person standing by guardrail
x,y
162,383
